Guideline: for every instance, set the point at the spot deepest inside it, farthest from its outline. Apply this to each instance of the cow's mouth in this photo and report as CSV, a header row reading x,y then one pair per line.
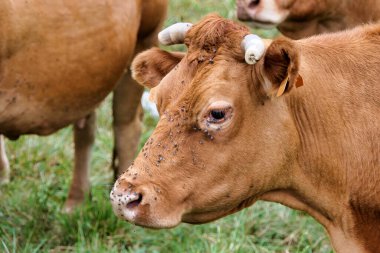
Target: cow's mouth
x,y
144,216
144,208
160,213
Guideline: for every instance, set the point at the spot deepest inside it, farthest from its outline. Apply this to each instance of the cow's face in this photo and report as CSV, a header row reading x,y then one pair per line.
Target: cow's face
x,y
294,18
264,13
221,141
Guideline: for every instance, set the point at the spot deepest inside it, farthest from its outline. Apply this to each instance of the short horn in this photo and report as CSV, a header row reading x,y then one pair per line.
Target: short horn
x,y
174,34
254,48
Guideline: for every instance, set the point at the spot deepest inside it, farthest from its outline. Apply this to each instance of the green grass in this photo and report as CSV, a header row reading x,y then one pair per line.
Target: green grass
x,y
30,206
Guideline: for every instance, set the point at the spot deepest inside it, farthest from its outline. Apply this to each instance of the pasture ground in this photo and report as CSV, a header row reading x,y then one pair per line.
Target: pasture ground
x,y
30,206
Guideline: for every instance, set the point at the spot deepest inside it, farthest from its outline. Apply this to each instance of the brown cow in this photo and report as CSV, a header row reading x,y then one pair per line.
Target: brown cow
x,y
232,133
59,60
299,18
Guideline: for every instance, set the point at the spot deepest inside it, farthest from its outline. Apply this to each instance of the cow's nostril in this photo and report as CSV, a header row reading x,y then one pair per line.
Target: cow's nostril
x,y
136,202
253,4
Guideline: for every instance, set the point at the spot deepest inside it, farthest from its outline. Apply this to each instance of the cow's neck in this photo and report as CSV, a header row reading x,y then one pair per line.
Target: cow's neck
x,y
341,15
341,239
330,183
347,14
350,13
360,12
336,175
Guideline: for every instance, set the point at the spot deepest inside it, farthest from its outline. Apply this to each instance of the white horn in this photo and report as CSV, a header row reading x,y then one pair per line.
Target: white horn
x,y
254,48
174,34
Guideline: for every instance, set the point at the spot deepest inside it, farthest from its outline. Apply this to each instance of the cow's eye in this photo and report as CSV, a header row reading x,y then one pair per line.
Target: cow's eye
x,y
217,115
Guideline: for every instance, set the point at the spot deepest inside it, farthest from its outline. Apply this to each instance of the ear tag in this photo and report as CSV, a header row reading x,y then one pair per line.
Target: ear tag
x,y
282,88
299,81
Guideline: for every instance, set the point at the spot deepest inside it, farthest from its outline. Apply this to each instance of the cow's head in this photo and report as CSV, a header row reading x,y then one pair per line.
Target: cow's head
x,y
294,18
224,137
264,13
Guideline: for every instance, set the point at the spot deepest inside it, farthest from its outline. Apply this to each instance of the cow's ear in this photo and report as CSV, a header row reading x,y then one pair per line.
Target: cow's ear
x,y
280,67
149,67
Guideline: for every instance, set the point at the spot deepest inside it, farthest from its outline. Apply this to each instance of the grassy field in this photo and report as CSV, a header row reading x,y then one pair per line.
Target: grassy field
x,y
30,206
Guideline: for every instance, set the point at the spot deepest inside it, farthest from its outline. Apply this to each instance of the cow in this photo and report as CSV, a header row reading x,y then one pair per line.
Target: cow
x,y
299,19
60,59
245,119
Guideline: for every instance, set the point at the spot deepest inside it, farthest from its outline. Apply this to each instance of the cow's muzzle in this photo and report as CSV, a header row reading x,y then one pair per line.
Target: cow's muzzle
x,y
126,199
141,202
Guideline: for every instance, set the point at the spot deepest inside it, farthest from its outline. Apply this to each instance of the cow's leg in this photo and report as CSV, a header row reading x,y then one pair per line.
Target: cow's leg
x,y
127,115
127,109
4,163
84,136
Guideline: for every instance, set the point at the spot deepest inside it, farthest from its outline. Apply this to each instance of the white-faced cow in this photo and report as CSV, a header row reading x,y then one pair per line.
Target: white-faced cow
x,y
59,60
299,18
234,129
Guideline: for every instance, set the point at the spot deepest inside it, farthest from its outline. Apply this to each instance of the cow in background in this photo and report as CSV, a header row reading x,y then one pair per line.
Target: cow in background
x,y
60,59
244,119
297,19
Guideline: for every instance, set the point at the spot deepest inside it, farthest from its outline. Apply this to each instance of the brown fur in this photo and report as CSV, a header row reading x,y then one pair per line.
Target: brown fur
x,y
60,59
306,18
315,148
